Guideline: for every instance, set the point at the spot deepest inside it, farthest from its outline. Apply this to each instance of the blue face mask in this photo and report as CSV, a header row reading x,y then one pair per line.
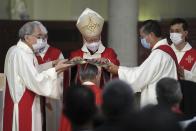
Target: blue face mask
x,y
145,44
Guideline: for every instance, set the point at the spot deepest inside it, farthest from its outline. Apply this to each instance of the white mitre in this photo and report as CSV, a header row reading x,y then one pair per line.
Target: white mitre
x,y
90,23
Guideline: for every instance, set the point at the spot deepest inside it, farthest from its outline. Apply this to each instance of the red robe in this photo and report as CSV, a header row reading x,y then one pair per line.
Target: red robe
x,y
65,124
108,53
25,121
50,55
188,60
98,93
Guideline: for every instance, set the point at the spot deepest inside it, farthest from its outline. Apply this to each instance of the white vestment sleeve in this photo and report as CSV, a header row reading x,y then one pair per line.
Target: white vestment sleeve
x,y
43,67
44,83
148,72
61,56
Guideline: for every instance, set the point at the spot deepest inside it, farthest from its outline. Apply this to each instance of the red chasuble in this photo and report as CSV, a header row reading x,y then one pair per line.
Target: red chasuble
x,y
105,76
188,60
51,54
169,51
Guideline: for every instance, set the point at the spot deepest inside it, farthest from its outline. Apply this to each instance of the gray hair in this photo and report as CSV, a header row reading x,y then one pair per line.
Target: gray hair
x,y
29,27
88,72
168,91
42,27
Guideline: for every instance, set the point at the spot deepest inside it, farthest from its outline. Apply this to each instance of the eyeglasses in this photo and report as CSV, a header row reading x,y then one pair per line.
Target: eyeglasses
x,y
40,36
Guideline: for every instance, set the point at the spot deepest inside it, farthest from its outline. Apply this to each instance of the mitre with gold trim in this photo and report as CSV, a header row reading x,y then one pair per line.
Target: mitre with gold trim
x,y
90,23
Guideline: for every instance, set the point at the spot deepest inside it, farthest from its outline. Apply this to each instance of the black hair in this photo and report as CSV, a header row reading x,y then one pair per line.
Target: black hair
x,y
180,21
79,104
88,72
151,26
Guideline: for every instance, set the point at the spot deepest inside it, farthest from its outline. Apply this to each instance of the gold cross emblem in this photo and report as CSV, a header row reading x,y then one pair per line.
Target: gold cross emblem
x,y
91,25
189,59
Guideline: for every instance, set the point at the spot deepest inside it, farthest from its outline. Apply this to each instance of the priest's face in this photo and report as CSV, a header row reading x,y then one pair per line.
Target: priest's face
x,y
144,35
178,28
37,34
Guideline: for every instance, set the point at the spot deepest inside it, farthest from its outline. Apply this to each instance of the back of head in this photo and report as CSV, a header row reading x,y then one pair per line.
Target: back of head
x,y
118,99
149,26
180,21
191,126
79,104
153,118
168,92
88,72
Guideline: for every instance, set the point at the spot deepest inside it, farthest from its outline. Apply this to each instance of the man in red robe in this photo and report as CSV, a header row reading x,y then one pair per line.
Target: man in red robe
x,y
186,55
90,25
88,75
45,56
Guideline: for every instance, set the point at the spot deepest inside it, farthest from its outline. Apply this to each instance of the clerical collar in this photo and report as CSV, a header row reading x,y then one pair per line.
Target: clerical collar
x,y
24,46
186,48
159,43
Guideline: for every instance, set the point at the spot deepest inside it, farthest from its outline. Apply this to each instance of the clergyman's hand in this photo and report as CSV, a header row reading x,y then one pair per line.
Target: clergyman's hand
x,y
180,72
62,66
112,68
76,59
55,62
101,60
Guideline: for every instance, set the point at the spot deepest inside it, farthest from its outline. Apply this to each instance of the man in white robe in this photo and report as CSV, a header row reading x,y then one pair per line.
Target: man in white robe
x,y
186,55
25,84
160,63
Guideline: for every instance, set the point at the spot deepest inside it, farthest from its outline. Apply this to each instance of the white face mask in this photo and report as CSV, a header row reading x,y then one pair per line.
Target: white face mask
x,y
39,46
176,38
93,46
